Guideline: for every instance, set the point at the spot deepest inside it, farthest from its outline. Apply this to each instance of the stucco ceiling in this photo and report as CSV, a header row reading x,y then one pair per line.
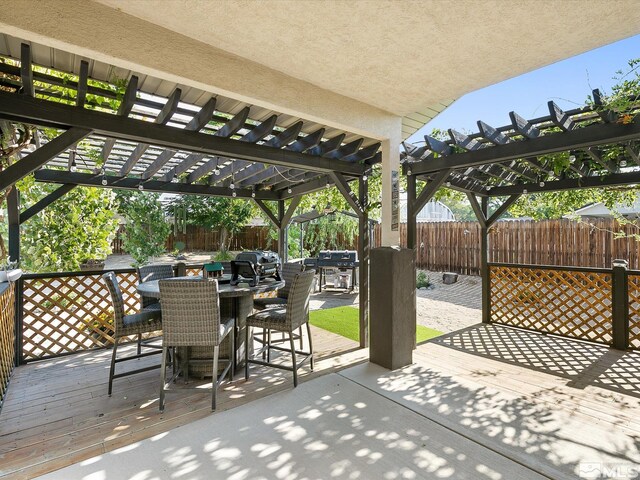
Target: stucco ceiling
x,y
400,56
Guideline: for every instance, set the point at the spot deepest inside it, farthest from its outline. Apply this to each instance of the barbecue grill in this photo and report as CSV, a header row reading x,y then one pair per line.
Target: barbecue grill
x,y
338,258
341,259
254,266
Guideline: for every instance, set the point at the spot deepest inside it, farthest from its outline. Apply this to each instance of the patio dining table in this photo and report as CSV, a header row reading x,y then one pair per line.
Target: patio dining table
x,y
236,301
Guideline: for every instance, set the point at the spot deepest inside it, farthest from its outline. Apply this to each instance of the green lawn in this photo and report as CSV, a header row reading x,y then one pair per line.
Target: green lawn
x,y
344,321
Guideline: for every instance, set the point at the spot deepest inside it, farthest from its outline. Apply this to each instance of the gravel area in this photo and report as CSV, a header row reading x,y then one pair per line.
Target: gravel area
x,y
443,307
450,307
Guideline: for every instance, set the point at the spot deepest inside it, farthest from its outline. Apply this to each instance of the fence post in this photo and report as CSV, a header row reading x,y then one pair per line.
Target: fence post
x,y
19,317
620,305
181,269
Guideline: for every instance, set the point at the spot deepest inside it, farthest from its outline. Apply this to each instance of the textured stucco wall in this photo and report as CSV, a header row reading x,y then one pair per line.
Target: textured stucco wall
x,y
399,55
99,32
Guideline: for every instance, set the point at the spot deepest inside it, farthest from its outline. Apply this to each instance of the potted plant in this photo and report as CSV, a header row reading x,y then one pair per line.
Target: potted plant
x,y
91,264
9,271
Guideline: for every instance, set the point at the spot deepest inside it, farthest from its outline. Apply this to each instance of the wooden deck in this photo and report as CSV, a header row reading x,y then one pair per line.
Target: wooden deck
x,y
57,412
558,408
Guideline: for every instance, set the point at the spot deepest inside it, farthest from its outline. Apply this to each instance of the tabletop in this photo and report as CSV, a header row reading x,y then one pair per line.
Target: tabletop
x,y
225,290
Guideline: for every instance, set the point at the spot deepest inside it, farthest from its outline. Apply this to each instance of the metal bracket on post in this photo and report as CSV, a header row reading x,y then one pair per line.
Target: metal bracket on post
x,y
620,305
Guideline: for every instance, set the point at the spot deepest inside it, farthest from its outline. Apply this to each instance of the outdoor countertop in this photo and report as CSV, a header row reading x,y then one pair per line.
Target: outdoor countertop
x,y
225,290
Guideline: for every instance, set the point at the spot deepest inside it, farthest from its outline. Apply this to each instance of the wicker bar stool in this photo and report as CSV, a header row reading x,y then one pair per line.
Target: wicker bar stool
x,y
149,319
289,271
191,318
286,319
147,273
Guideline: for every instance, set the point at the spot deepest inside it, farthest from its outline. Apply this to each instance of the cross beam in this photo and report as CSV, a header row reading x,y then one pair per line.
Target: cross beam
x,y
128,183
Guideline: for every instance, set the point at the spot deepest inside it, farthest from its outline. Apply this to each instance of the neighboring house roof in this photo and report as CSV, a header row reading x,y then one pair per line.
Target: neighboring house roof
x,y
433,211
601,211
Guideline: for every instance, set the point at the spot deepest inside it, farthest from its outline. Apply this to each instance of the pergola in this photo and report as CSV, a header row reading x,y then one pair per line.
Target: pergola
x,y
602,149
158,136
315,214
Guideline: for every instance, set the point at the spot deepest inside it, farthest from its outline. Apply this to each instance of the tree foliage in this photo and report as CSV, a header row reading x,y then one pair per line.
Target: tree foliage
x,y
76,227
540,206
146,230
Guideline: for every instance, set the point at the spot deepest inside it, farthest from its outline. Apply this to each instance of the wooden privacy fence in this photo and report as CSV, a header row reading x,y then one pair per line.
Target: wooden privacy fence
x,y
249,238
455,246
594,304
207,240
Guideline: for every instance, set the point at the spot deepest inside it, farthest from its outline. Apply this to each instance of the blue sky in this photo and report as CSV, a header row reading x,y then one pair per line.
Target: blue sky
x,y
567,82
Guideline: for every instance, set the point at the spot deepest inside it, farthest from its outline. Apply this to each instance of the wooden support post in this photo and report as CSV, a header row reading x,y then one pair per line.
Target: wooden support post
x,y
363,257
301,240
13,212
411,213
484,263
181,269
19,317
282,233
620,305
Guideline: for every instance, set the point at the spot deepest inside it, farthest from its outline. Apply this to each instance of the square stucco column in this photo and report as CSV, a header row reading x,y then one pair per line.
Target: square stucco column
x,y
390,193
392,333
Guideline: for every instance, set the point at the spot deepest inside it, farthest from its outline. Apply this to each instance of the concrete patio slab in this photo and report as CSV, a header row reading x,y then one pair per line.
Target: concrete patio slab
x,y
330,427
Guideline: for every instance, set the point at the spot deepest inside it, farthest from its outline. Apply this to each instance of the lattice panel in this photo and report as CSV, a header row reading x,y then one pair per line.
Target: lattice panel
x,y
570,303
194,271
634,310
7,309
70,314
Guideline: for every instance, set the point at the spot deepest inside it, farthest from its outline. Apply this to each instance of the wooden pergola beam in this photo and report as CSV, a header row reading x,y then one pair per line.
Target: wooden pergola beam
x,y
576,139
614,179
268,212
234,124
82,84
306,142
26,71
477,210
42,155
343,187
495,216
34,111
46,201
128,183
163,117
126,105
286,136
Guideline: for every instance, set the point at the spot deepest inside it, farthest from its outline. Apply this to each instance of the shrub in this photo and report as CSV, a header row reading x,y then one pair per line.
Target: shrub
x,y
422,280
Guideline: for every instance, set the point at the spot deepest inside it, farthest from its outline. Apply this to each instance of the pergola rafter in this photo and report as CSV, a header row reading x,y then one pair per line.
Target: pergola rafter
x,y
511,159
147,140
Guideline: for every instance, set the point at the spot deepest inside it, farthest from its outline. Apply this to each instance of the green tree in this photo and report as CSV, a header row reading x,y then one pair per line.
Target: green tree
x,y
551,205
77,227
227,215
146,229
